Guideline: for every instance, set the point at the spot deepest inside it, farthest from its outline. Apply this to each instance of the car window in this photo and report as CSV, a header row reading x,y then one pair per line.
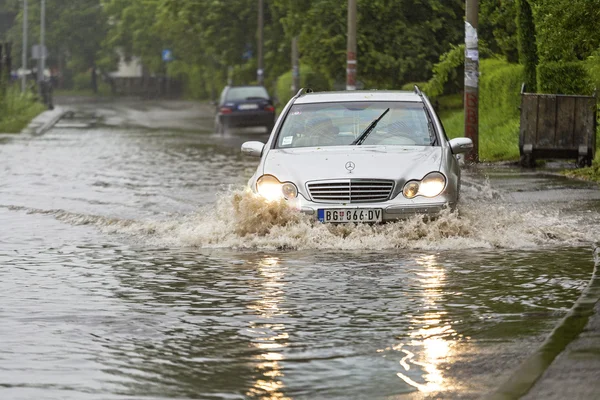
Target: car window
x,y
246,93
339,124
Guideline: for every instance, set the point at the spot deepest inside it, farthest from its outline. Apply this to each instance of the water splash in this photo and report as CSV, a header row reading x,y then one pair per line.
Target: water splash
x,y
243,220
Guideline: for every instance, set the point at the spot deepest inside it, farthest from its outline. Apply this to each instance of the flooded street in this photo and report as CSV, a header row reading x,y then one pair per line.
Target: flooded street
x,y
133,265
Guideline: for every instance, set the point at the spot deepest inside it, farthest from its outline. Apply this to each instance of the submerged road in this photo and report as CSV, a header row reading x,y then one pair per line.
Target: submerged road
x,y
134,266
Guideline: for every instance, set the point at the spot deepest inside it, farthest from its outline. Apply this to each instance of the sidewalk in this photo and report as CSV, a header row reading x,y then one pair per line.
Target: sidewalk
x,y
567,365
575,373
46,120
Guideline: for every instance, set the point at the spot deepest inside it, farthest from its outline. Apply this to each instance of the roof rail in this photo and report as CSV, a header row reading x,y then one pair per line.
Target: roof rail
x,y
303,91
421,94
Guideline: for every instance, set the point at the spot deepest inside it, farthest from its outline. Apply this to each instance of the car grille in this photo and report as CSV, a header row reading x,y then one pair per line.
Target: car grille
x,y
351,190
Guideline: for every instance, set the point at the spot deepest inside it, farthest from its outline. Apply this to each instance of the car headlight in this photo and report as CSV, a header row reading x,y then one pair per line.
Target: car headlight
x,y
432,185
271,189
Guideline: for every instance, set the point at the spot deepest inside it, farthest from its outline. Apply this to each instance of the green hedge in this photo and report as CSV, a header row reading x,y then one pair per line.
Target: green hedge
x,y
308,79
564,78
500,88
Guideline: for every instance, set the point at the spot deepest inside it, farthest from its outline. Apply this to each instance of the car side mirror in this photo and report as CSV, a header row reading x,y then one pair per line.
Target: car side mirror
x,y
461,145
253,148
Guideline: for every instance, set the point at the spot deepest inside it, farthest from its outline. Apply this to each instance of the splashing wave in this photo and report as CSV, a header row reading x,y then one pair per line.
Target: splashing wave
x,y
240,219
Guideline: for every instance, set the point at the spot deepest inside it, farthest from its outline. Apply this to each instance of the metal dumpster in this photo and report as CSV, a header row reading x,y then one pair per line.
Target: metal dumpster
x,y
557,126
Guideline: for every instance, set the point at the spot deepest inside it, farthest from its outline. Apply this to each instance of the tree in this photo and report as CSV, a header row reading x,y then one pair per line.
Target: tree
x,y
398,41
75,30
567,30
527,42
498,28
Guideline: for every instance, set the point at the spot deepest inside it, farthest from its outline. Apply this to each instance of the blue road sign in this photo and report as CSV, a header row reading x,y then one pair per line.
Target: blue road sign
x,y
167,55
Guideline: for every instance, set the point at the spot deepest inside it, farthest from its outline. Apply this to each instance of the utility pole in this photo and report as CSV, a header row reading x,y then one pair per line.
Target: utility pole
x,y
295,66
24,51
42,55
471,101
351,50
260,73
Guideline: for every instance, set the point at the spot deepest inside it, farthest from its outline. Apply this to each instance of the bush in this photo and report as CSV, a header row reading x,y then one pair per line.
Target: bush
x,y
308,79
592,66
81,81
500,88
16,110
564,78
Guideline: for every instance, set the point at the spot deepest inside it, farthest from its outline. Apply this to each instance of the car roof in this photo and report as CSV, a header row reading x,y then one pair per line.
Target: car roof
x,y
243,86
358,95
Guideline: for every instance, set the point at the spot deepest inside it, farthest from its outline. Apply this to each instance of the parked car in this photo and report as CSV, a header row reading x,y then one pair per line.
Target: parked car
x,y
359,156
244,106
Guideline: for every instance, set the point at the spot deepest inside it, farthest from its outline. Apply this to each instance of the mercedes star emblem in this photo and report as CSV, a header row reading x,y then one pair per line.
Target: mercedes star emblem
x,y
350,166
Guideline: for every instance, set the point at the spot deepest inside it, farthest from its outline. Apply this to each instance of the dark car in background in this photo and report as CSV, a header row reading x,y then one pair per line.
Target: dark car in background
x,y
244,106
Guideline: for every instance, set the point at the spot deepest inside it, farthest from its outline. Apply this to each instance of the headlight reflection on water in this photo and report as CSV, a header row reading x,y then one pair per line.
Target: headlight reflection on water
x,y
270,336
431,335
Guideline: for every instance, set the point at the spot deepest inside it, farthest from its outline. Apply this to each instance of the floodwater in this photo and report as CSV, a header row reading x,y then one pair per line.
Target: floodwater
x,y
133,265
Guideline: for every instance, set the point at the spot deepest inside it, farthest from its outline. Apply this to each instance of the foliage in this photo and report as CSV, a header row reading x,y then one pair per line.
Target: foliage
x,y
410,86
498,111
398,41
75,30
17,110
564,78
498,28
446,70
592,65
567,30
308,79
527,42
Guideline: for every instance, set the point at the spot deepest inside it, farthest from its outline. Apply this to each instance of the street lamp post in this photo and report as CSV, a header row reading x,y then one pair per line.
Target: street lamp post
x,y
42,53
24,50
260,73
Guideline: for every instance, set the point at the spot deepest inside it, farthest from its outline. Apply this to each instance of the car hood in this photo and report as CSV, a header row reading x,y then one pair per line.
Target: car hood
x,y
373,162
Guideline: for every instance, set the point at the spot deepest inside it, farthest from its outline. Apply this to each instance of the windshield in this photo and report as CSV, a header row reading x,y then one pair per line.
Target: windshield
x,y
340,124
244,93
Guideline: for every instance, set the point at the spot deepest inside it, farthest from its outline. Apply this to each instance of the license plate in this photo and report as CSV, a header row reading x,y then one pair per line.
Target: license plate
x,y
345,215
248,106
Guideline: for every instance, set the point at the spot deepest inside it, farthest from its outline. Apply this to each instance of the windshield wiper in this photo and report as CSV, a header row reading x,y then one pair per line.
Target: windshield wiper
x,y
361,138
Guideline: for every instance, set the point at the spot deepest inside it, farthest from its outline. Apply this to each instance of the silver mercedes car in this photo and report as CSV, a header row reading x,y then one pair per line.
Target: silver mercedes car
x,y
359,156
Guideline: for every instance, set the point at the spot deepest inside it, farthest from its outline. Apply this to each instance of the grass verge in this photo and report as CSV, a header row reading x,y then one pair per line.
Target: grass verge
x,y
498,136
17,110
590,173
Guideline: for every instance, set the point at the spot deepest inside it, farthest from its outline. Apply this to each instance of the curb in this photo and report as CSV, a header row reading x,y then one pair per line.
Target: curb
x,y
45,121
51,122
569,328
